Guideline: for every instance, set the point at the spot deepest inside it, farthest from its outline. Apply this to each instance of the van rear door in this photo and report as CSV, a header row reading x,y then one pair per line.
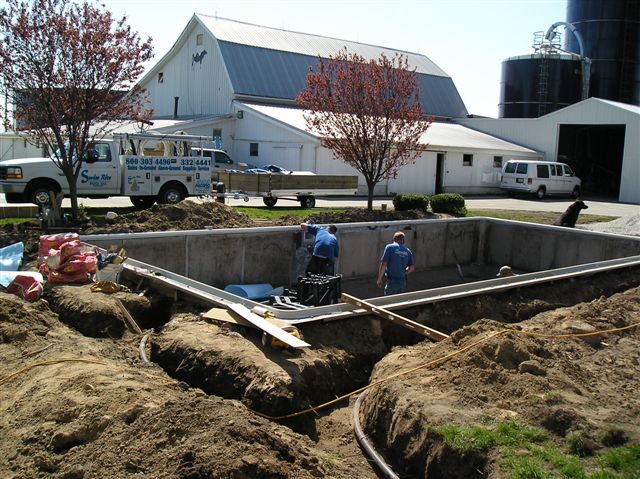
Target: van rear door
x,y
513,174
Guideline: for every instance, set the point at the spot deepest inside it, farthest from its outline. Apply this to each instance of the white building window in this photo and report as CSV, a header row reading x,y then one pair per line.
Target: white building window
x,y
497,162
199,39
253,149
467,160
161,77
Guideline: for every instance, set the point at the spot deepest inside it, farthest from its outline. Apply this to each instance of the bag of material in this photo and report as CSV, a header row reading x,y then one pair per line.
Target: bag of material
x,y
25,287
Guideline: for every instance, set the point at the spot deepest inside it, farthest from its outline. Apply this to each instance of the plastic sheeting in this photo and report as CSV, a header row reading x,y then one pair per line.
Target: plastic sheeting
x,y
10,261
254,291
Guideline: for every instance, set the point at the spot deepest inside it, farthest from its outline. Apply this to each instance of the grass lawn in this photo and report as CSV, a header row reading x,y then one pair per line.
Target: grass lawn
x,y
264,213
541,217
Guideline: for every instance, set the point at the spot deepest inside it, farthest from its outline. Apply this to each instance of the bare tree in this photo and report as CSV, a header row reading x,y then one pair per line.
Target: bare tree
x,y
367,112
69,68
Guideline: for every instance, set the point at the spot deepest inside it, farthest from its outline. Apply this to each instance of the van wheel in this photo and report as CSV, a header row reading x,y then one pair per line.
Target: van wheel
x,y
576,192
541,193
270,201
171,194
38,192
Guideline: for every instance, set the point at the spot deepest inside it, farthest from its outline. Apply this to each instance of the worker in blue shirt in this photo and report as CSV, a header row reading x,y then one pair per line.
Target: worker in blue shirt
x,y
325,248
395,264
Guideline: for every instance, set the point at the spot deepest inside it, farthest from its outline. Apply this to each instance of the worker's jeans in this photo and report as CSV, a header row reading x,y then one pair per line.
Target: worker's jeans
x,y
319,265
395,286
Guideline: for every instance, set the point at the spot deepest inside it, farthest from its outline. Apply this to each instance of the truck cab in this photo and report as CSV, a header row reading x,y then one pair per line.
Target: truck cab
x,y
146,167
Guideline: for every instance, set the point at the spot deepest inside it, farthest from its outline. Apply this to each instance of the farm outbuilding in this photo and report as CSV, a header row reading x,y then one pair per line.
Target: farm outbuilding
x,y
598,138
457,158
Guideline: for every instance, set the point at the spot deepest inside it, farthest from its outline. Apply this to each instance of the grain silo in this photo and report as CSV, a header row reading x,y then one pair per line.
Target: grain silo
x,y
610,31
536,84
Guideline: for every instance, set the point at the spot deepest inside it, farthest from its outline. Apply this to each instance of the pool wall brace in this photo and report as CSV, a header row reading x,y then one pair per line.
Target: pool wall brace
x,y
454,258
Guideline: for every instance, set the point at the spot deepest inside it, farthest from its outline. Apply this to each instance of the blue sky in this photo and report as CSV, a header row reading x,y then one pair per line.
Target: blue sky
x,y
468,39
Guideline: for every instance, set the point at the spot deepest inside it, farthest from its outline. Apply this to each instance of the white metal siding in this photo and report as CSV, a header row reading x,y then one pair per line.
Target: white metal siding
x,y
416,178
542,134
14,147
202,88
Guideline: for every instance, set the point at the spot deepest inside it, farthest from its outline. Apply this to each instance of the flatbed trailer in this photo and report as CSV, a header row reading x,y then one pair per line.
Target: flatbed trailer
x,y
301,188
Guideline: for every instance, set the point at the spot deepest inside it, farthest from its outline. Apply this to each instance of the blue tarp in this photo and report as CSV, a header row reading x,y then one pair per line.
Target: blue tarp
x,y
10,261
254,291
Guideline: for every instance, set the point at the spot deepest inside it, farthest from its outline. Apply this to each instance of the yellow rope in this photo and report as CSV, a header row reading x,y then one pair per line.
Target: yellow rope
x,y
441,359
8,378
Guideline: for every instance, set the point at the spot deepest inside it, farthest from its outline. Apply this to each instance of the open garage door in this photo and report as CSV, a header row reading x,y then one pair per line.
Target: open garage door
x,y
595,154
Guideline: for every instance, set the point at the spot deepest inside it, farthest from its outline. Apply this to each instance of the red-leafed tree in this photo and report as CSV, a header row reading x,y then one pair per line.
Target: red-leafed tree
x,y
368,112
69,69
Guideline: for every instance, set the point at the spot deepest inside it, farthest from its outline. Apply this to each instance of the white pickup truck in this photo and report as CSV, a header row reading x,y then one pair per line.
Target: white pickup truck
x,y
145,167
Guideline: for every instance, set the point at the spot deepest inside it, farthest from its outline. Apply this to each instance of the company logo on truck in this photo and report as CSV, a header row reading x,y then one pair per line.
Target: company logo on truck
x,y
135,182
93,179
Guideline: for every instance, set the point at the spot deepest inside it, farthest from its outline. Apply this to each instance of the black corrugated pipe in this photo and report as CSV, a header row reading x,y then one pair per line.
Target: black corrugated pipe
x,y
175,107
365,444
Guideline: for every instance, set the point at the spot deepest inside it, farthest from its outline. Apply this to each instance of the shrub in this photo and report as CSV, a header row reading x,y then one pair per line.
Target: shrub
x,y
448,203
405,202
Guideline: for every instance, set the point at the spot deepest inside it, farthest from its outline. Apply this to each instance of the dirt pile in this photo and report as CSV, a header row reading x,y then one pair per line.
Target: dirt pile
x,y
186,215
77,407
581,386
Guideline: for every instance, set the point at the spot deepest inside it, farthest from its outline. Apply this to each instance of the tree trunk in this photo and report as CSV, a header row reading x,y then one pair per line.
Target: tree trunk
x,y
73,195
370,187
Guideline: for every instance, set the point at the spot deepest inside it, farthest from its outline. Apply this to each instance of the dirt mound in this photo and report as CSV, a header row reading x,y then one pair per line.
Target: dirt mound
x,y
77,407
227,360
580,385
186,215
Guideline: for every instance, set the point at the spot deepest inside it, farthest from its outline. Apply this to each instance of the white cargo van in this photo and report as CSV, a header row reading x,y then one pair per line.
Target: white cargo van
x,y
541,178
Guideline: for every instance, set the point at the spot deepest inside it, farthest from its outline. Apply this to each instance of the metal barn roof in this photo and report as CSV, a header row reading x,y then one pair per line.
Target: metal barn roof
x,y
304,43
439,135
272,65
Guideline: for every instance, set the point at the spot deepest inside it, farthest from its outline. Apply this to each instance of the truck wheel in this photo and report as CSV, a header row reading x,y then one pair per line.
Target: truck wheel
x,y
171,194
541,192
38,193
574,194
142,202
307,201
270,201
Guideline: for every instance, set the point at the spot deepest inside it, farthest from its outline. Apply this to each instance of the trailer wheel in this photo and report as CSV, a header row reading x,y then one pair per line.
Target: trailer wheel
x,y
142,202
171,194
307,201
38,192
270,201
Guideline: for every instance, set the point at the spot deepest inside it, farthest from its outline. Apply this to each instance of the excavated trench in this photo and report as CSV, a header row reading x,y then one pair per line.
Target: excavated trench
x,y
231,361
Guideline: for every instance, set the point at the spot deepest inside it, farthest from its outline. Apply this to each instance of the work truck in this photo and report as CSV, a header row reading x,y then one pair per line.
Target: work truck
x,y
146,167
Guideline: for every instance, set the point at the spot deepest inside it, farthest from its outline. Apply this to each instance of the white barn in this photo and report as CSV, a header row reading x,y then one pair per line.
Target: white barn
x,y
239,81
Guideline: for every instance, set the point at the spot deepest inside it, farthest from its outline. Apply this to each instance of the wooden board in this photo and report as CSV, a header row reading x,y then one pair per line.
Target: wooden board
x,y
220,314
395,318
267,327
